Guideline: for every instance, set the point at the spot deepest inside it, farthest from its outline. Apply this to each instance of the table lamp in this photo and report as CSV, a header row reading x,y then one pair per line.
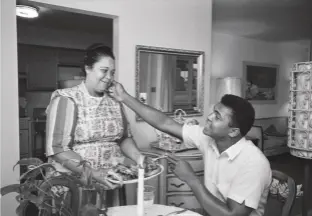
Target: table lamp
x,y
228,85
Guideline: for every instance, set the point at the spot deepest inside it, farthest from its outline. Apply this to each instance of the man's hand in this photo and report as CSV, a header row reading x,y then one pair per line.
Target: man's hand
x,y
184,171
191,122
117,91
100,175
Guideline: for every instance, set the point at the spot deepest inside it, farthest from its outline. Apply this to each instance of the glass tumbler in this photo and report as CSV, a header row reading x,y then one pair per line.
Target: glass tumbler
x,y
149,195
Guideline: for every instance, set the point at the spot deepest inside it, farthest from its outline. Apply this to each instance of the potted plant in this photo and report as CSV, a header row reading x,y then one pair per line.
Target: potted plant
x,y
57,194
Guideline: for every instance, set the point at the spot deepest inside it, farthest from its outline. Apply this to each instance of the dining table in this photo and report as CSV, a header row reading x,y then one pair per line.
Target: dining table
x,y
151,210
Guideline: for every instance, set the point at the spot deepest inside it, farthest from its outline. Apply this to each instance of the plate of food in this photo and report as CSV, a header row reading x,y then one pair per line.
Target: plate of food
x,y
169,147
129,173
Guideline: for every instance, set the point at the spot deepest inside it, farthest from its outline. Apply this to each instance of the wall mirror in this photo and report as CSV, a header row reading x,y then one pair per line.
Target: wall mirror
x,y
170,79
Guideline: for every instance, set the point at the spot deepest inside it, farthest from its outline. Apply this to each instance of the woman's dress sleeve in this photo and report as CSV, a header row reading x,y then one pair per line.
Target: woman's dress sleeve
x,y
60,126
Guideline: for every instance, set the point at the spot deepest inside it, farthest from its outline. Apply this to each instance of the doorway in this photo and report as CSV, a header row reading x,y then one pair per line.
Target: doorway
x,y
51,50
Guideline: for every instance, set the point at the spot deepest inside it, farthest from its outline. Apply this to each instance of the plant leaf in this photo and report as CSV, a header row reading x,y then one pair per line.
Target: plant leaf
x,y
60,208
35,199
31,186
29,161
20,209
10,188
33,173
19,198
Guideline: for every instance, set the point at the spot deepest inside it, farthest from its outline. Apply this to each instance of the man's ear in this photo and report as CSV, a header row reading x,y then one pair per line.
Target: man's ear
x,y
234,132
87,69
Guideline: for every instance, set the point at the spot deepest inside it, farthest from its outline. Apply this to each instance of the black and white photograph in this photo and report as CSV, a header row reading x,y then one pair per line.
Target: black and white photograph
x,y
156,108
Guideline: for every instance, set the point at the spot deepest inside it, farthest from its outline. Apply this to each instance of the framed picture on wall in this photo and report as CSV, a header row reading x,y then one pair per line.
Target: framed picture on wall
x,y
260,82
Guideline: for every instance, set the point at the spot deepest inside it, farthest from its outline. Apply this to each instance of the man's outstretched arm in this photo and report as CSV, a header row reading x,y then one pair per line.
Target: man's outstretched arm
x,y
152,116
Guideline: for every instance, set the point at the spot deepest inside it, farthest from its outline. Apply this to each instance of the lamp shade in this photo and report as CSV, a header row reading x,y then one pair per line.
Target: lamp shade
x,y
228,85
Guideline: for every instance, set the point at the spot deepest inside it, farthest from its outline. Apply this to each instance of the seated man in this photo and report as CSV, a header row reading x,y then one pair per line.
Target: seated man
x,y
237,174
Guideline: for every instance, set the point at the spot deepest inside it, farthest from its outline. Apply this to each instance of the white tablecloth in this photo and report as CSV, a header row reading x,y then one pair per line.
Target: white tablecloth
x,y
153,210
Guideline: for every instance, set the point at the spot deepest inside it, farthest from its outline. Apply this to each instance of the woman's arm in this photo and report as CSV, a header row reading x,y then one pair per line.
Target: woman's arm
x,y
130,150
61,123
127,144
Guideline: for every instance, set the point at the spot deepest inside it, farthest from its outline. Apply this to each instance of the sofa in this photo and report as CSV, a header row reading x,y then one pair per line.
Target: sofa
x,y
271,134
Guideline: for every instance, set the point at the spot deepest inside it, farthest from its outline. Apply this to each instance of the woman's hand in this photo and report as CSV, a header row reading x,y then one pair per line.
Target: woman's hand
x,y
140,161
143,161
100,175
117,91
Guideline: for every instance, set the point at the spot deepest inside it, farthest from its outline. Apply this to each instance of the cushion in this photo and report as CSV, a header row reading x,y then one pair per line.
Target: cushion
x,y
271,131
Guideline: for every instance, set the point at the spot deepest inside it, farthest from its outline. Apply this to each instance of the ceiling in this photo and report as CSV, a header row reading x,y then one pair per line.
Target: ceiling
x,y
64,20
269,20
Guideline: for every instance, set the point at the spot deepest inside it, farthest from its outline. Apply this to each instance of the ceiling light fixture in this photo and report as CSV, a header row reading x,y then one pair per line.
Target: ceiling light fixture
x,y
26,11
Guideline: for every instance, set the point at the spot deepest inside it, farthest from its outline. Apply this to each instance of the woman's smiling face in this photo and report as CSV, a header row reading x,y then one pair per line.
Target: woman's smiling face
x,y
101,74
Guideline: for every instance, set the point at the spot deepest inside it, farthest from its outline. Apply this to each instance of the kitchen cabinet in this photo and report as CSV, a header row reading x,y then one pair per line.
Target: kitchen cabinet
x,y
25,143
70,57
178,193
41,69
22,53
25,149
41,65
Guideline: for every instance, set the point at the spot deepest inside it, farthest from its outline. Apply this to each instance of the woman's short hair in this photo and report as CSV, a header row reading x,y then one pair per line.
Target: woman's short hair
x,y
94,52
243,114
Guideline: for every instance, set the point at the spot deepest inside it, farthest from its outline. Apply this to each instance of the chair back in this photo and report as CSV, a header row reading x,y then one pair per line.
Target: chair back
x,y
256,132
281,196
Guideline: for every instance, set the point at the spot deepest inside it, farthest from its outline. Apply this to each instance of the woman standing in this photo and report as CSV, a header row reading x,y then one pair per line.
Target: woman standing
x,y
85,123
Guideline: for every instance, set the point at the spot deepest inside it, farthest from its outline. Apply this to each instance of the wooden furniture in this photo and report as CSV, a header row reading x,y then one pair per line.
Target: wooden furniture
x,y
271,134
256,133
282,195
254,140
31,138
274,134
41,68
172,191
38,138
25,140
153,210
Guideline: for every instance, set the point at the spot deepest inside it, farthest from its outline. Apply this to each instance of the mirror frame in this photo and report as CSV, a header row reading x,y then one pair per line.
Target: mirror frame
x,y
200,55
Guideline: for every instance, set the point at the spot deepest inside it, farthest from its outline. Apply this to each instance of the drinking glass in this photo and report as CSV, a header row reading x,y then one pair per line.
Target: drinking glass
x,y
149,195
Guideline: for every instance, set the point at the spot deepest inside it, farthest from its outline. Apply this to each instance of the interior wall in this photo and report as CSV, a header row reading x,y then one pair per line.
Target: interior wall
x,y
139,23
9,137
229,52
60,38
183,24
